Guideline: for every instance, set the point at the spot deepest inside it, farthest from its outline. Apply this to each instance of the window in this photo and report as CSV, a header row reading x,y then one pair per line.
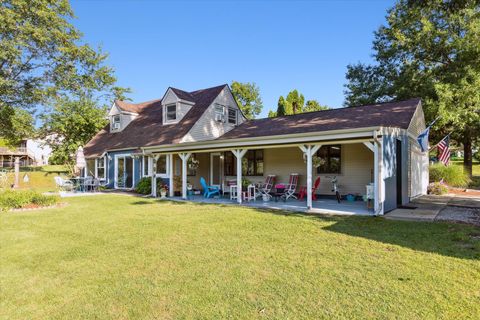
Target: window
x,y
101,168
252,163
219,109
90,168
171,112
332,156
232,116
145,167
116,122
160,165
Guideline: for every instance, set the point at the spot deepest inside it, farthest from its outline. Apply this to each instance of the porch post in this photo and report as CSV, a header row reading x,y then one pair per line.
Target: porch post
x,y
184,157
170,174
154,176
309,151
239,153
378,186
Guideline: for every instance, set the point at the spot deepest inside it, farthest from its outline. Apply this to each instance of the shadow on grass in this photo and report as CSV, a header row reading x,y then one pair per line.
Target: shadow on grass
x,y
141,202
447,239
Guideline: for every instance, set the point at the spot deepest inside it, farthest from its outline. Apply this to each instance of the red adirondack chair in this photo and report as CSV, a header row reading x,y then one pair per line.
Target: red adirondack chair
x,y
303,190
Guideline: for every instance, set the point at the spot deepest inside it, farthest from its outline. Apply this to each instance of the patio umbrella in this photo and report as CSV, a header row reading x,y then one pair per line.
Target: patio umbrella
x,y
81,163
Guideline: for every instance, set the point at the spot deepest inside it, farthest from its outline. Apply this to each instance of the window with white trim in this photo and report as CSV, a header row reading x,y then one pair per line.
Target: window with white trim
x,y
232,115
116,122
219,109
145,167
100,174
161,165
171,112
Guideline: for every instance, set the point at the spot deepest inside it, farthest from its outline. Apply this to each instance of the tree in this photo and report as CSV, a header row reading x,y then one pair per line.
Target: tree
x,y
71,124
314,105
427,49
41,57
248,98
294,102
281,107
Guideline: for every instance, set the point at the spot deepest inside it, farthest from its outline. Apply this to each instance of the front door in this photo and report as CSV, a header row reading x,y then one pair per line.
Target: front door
x,y
216,169
123,172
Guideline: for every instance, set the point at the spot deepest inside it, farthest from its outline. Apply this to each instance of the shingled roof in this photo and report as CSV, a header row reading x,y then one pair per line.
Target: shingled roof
x,y
147,129
393,114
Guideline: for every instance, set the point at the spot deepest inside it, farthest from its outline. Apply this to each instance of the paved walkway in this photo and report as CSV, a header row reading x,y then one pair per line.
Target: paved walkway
x,y
440,208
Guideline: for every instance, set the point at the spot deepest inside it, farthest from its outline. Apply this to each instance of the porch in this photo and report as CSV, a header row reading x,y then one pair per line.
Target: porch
x,y
320,206
353,163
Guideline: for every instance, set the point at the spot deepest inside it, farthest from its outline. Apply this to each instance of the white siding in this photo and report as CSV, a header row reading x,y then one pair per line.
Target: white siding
x,y
125,118
206,128
182,108
418,173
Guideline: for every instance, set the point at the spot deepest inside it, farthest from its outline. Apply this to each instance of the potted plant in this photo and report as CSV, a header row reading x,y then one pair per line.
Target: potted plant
x,y
163,191
245,184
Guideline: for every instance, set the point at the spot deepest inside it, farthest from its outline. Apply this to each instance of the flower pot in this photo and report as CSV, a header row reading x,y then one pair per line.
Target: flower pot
x,y
163,194
265,197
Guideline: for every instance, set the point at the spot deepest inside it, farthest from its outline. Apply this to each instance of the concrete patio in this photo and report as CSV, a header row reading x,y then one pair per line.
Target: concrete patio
x,y
322,206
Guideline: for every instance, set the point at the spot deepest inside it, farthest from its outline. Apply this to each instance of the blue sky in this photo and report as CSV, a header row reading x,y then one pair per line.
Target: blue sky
x,y
192,44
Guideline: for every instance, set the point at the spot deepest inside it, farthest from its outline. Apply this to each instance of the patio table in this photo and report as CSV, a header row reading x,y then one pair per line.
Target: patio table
x,y
79,183
278,193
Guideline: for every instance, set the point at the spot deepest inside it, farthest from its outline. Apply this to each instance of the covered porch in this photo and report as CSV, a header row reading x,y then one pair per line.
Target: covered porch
x,y
356,163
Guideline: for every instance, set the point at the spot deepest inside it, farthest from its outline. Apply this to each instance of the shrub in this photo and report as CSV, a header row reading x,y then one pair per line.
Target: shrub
x,y
144,186
437,188
15,199
453,175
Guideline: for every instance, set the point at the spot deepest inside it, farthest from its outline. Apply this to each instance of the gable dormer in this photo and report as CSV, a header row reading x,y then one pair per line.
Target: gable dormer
x,y
175,105
120,116
221,116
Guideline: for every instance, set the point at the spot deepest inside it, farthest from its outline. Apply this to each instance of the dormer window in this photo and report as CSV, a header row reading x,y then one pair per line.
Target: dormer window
x,y
171,112
116,122
232,116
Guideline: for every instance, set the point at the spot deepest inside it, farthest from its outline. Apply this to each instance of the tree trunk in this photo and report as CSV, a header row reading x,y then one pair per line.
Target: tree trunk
x,y
467,154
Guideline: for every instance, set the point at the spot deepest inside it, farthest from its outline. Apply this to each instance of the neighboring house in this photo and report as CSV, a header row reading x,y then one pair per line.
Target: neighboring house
x,y
31,153
362,145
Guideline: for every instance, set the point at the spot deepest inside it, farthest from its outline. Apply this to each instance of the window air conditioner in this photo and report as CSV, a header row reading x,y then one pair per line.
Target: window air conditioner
x,y
219,117
116,126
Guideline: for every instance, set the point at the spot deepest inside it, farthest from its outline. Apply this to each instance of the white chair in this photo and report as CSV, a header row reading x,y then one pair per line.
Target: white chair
x,y
291,187
62,184
265,188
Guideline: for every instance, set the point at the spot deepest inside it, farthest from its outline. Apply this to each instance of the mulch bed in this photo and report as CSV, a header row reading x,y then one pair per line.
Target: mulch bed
x,y
465,192
32,207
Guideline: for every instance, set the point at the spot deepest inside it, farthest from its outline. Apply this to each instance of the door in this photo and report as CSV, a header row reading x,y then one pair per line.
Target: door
x,y
123,172
216,169
399,172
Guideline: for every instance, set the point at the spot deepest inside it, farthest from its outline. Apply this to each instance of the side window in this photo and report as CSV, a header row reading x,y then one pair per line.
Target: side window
x,y
332,156
232,116
116,122
101,168
145,168
219,109
161,165
171,112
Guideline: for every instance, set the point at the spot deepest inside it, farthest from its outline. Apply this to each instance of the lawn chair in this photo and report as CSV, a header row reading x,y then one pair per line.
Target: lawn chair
x,y
64,185
265,188
209,191
303,190
291,187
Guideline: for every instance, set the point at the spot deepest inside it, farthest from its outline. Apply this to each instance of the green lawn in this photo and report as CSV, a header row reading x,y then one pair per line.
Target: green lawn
x,y
119,257
39,178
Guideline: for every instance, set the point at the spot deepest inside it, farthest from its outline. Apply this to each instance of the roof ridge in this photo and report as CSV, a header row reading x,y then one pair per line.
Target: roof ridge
x,y
341,108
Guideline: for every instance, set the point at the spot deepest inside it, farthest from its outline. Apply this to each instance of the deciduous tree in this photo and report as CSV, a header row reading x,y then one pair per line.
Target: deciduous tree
x,y
248,98
427,49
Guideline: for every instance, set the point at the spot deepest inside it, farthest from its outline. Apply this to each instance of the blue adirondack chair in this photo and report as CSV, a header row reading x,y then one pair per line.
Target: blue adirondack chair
x,y
208,191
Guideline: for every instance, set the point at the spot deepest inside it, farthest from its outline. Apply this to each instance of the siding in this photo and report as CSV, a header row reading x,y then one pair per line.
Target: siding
x,y
417,125
206,128
418,170
182,108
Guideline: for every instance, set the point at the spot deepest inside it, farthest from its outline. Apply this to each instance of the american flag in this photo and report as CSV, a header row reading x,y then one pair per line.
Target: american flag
x,y
444,150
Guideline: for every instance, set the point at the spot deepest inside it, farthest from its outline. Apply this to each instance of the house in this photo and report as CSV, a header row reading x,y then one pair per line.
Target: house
x,y
31,153
366,145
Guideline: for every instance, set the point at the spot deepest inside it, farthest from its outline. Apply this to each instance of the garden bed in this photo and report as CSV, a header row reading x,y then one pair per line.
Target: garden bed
x,y
26,199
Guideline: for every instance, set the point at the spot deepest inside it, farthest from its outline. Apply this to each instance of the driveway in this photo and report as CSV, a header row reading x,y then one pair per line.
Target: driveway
x,y
455,208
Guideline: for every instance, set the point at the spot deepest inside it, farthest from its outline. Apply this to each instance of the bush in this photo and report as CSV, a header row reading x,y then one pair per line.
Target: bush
x,y
15,199
453,175
437,188
144,186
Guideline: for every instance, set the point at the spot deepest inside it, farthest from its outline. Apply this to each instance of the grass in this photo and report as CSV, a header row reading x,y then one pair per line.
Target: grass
x,y
120,257
40,178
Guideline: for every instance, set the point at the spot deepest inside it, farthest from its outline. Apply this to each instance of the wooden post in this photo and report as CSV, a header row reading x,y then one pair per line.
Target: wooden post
x,y
154,175
170,175
184,157
239,153
309,151
17,173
